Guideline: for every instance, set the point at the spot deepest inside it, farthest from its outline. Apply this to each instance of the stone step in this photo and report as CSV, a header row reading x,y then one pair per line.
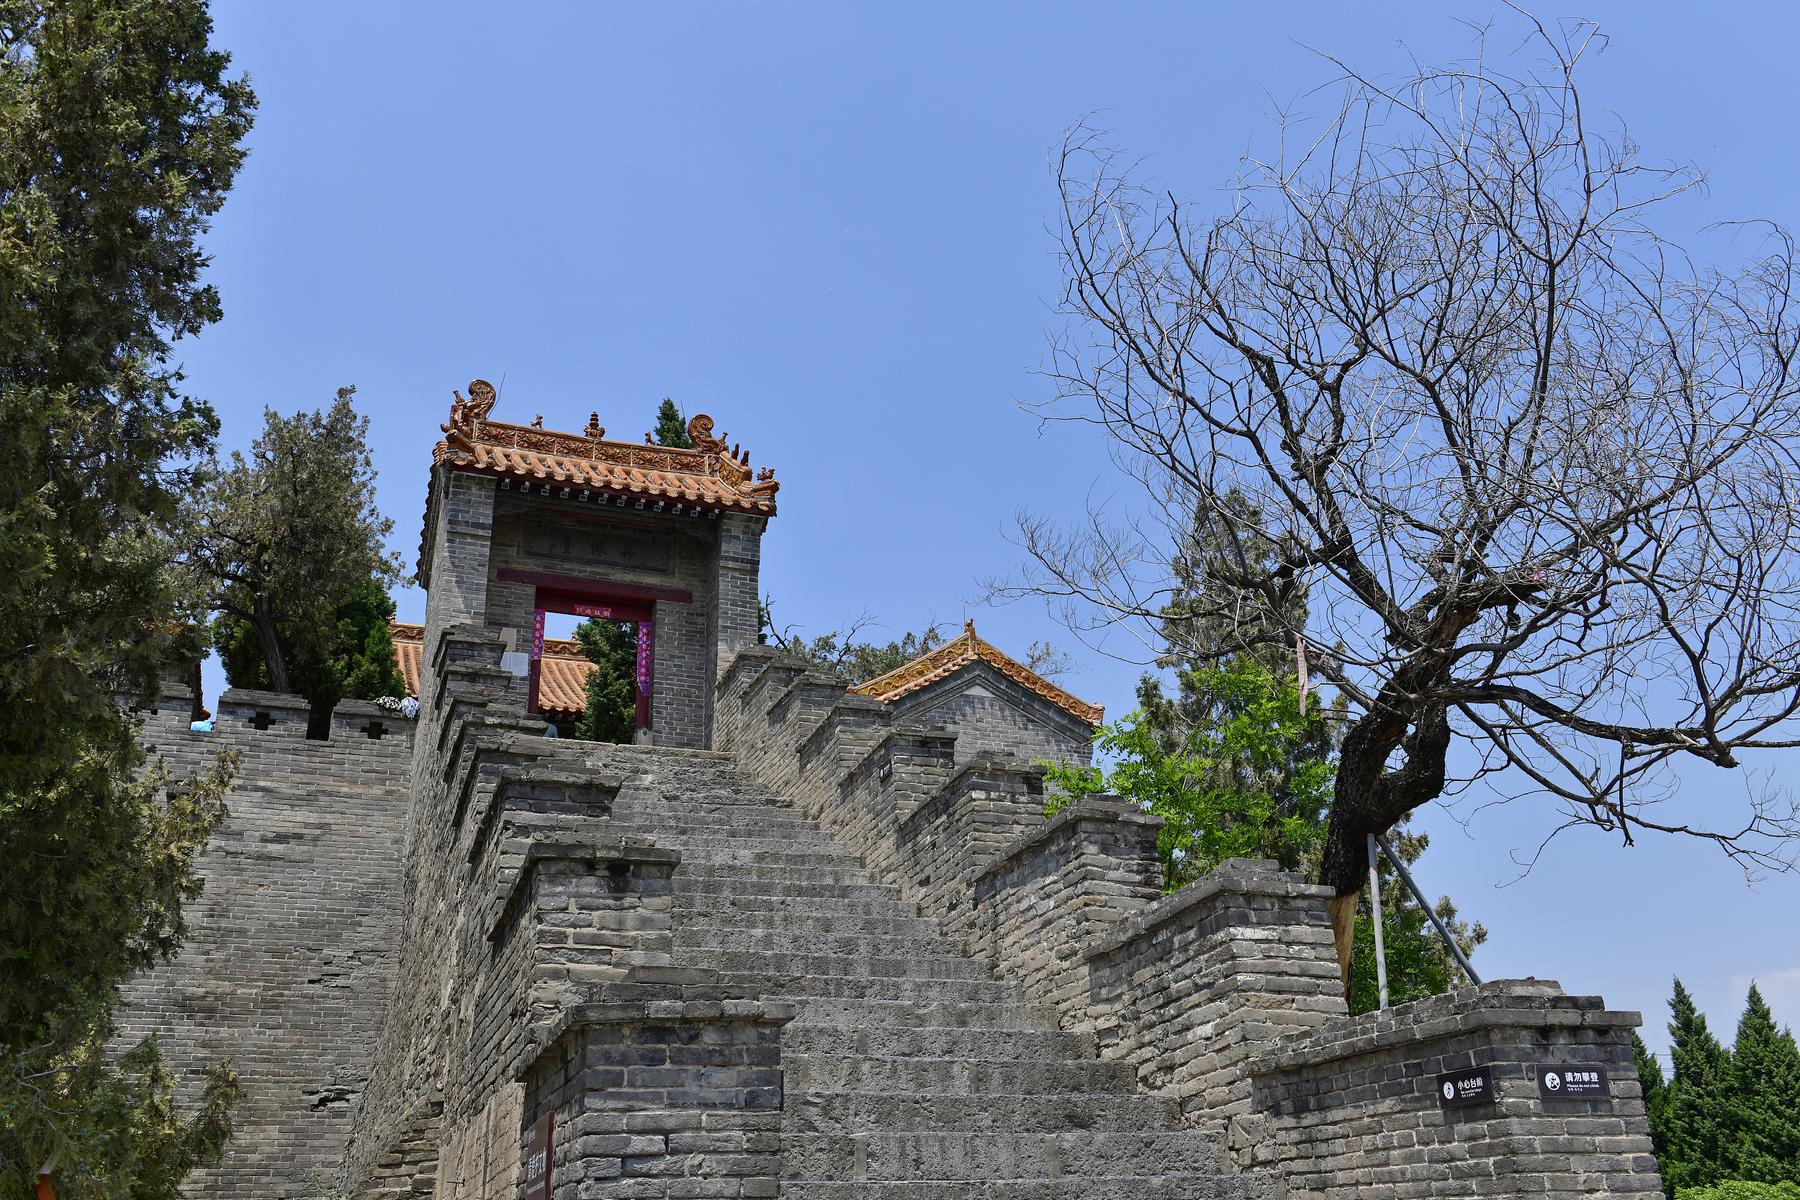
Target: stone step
x,y
802,987
937,967
976,1075
706,936
849,1112
860,1012
694,919
930,1042
1087,1187
713,885
998,1155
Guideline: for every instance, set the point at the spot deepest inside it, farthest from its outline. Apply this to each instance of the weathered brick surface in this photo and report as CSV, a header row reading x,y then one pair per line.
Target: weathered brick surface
x,y
1222,997
293,939
1350,1110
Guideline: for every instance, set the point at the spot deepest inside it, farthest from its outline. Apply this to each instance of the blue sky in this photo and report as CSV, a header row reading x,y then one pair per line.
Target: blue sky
x,y
826,227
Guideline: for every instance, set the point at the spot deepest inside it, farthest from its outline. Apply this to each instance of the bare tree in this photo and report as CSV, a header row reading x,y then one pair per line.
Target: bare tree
x,y
1535,468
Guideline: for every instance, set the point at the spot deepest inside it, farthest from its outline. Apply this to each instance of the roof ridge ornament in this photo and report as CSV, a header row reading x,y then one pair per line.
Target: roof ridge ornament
x,y
466,415
699,431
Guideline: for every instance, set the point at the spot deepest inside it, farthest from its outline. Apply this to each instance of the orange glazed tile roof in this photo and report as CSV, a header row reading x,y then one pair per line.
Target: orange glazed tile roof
x,y
711,478
562,672
954,655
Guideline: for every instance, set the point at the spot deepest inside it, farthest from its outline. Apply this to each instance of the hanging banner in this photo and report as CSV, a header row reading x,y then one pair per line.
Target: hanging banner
x,y
537,635
644,639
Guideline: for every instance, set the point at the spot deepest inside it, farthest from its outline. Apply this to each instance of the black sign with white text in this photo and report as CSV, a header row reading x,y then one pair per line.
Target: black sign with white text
x,y
1461,1088
1566,1081
537,1157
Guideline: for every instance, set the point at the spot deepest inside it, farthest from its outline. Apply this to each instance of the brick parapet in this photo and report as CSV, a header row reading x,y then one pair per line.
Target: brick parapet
x,y
1350,1108
963,827
1193,985
291,944
1057,889
663,1099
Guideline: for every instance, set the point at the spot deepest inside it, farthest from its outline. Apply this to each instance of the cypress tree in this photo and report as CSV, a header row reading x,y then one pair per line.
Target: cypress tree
x,y
1765,1097
670,429
611,714
1699,1121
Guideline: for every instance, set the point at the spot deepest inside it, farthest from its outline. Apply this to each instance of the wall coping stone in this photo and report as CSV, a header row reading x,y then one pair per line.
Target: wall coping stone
x,y
849,707
663,1012
1496,1004
367,708
1234,876
751,658
1088,808
254,698
901,733
816,681
623,849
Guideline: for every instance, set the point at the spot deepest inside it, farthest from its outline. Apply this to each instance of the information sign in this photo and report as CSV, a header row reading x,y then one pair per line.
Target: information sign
x,y
1459,1089
1571,1081
537,1158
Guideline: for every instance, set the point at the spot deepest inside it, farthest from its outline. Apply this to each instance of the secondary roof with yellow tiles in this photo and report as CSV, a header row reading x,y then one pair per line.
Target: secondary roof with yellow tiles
x,y
711,478
953,655
562,672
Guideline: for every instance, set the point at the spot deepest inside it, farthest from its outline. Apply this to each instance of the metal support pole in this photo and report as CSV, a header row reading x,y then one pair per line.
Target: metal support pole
x,y
1462,960
1375,912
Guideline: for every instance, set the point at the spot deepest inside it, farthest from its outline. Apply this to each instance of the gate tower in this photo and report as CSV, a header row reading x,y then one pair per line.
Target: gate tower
x,y
521,521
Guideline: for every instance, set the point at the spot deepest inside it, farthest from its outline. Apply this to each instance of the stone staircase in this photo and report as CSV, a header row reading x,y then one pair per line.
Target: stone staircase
x,y
910,1071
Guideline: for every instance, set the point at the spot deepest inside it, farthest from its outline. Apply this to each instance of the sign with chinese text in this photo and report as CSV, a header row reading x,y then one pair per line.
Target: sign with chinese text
x,y
602,611
643,656
1562,1081
1459,1089
537,1158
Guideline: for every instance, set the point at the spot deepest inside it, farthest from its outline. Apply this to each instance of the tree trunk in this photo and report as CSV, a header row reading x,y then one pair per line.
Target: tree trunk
x,y
264,620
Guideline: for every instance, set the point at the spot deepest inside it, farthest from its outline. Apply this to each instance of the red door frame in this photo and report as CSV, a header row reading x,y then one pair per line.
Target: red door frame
x,y
596,602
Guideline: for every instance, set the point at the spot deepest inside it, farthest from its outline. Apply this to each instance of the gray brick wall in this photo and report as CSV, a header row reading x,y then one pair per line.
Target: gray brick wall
x,y
293,940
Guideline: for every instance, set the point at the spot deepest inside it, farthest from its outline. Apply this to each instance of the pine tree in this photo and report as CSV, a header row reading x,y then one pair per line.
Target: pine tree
x,y
611,712
671,430
1765,1098
1699,1119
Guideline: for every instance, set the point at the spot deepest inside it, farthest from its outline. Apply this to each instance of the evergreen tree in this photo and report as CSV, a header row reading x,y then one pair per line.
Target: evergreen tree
x,y
671,430
1698,1109
350,658
120,135
1235,766
611,712
1765,1098
293,539
1656,1095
